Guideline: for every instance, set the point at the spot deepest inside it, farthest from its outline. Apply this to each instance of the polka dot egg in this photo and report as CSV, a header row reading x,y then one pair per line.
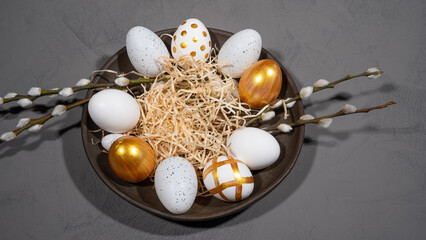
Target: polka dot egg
x,y
191,38
176,184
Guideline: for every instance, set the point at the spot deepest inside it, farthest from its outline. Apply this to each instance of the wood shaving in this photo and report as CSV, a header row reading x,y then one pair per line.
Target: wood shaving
x,y
192,114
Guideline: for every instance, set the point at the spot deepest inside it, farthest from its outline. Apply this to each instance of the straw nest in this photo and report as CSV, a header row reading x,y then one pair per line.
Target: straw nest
x,y
192,114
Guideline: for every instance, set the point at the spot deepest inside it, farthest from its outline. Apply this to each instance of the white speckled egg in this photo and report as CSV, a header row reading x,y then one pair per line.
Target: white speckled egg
x,y
144,48
114,111
176,184
241,50
109,139
255,147
234,181
191,38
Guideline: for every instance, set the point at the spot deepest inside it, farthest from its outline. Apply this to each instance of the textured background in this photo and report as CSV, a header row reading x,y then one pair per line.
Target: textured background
x,y
364,178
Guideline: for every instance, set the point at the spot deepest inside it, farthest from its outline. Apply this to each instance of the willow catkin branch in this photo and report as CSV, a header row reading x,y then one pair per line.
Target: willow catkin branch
x,y
337,114
316,89
132,83
340,113
45,118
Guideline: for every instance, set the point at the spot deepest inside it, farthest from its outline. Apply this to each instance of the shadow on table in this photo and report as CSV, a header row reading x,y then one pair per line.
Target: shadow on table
x,y
46,133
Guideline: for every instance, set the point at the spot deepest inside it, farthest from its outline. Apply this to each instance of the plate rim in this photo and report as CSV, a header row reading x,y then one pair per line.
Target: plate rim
x,y
242,205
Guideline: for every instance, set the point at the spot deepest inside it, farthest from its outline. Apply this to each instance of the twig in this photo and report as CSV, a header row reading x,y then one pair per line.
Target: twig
x,y
337,114
316,89
42,120
132,83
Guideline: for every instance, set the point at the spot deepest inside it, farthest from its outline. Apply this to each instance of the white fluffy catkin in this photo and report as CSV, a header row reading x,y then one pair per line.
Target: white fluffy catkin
x,y
66,92
348,108
59,110
277,104
34,128
307,117
7,136
34,91
371,70
10,95
290,104
82,82
306,92
284,128
268,115
22,122
321,83
122,81
24,102
326,122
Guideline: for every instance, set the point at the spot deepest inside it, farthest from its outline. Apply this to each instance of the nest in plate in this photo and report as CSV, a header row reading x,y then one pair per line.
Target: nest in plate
x,y
192,114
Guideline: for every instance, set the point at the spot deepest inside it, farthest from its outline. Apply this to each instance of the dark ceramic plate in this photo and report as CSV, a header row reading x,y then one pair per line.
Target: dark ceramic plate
x,y
143,195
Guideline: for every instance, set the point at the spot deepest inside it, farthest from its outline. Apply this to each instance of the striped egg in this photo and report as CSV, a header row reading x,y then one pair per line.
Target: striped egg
x,y
228,179
191,38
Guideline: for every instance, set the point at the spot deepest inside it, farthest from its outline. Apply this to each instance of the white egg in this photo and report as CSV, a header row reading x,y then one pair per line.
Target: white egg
x,y
109,139
241,50
144,48
114,111
234,180
191,38
255,147
176,184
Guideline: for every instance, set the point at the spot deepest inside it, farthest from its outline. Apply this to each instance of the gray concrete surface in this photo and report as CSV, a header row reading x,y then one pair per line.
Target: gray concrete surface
x,y
364,178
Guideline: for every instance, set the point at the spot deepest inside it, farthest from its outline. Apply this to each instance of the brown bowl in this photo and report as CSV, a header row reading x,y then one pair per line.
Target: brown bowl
x,y
143,194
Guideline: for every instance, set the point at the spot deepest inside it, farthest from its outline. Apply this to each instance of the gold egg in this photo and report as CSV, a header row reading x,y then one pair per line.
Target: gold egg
x,y
261,83
131,159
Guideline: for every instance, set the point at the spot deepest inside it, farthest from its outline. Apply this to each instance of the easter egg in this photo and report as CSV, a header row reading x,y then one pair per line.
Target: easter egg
x,y
131,159
114,111
176,184
261,83
144,48
228,179
191,38
239,52
255,147
109,139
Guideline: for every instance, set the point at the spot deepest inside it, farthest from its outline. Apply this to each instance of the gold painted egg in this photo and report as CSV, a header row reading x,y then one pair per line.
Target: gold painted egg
x,y
261,83
131,159
191,38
